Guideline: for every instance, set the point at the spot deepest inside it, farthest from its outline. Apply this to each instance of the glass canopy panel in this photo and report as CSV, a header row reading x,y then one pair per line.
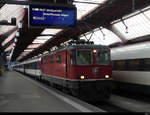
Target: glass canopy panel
x,y
103,37
28,50
51,31
42,39
9,47
137,25
86,6
24,53
49,34
18,58
4,29
9,38
32,46
10,11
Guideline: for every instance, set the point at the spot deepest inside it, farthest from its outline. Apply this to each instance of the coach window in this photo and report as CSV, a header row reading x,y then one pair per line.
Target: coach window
x,y
51,59
126,65
34,65
146,64
120,65
133,64
58,59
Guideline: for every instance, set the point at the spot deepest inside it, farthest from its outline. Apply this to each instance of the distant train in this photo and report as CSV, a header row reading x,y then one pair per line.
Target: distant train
x,y
131,67
82,69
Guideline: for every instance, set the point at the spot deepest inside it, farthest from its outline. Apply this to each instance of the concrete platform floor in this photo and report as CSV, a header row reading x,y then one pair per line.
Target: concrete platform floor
x,y
18,93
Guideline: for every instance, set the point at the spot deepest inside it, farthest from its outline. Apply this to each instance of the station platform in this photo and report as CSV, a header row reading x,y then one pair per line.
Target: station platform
x,y
19,93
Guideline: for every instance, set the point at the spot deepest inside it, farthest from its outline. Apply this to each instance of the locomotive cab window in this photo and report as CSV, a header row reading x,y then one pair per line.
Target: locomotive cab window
x,y
103,57
84,57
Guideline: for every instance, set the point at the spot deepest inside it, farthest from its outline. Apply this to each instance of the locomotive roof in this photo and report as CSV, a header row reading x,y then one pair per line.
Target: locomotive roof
x,y
86,46
77,46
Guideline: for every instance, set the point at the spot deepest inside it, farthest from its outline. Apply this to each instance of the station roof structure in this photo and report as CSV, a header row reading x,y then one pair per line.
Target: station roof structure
x,y
106,22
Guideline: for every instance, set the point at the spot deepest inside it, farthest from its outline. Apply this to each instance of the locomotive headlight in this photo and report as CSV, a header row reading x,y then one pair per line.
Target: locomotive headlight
x,y
94,51
82,77
107,76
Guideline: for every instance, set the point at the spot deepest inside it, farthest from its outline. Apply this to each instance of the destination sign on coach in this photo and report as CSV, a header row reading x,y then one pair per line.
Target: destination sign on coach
x,y
52,16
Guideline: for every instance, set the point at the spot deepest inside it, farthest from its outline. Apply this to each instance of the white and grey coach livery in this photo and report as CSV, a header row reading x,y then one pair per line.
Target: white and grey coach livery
x,y
131,67
29,67
19,67
32,66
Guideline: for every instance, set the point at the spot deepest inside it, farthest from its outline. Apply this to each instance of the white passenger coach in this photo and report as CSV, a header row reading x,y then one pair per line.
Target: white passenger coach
x,y
131,67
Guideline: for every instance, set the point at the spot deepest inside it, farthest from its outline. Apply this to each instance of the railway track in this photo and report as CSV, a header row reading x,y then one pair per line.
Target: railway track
x,y
108,107
132,95
123,104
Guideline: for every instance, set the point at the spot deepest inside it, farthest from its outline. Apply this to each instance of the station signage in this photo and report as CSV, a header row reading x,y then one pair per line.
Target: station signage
x,y
52,16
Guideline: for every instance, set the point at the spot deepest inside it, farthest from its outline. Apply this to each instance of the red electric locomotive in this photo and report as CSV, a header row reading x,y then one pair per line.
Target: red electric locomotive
x,y
83,69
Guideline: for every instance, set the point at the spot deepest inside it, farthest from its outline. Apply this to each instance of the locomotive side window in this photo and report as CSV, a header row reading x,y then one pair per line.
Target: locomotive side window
x,y
72,57
58,59
103,57
84,57
45,60
41,61
51,59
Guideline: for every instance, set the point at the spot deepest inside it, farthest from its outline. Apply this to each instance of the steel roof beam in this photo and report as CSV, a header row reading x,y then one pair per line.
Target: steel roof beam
x,y
87,2
47,35
29,3
8,44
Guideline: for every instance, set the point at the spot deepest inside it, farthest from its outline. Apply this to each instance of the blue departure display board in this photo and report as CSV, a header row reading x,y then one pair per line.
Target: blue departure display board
x,y
52,16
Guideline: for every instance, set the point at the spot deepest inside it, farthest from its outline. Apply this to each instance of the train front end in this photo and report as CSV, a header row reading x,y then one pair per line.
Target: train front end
x,y
91,71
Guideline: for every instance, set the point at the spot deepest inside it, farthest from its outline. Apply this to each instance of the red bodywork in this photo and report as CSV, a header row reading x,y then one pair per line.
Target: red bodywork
x,y
66,70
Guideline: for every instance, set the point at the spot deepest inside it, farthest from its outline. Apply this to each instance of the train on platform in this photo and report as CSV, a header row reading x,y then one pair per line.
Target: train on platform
x,y
131,68
82,69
